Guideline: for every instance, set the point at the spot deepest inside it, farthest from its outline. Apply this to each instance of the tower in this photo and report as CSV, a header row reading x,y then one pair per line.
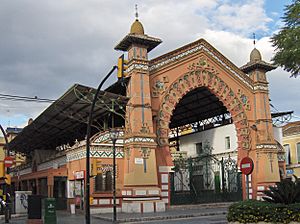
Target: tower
x,y
266,170
140,179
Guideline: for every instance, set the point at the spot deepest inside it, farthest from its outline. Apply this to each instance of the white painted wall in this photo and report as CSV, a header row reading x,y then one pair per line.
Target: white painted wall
x,y
277,131
216,138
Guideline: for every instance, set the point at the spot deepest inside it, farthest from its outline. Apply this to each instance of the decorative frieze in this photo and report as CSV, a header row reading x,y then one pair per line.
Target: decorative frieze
x,y
266,146
100,153
105,138
139,139
137,66
246,80
261,87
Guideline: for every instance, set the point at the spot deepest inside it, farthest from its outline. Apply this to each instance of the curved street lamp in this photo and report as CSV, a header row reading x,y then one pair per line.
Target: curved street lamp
x,y
88,136
114,134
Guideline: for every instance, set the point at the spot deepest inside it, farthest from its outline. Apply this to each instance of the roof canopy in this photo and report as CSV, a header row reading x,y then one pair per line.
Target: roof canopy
x,y
197,105
65,120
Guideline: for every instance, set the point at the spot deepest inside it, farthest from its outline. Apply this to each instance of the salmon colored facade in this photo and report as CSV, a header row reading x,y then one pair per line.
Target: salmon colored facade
x,y
154,90
156,87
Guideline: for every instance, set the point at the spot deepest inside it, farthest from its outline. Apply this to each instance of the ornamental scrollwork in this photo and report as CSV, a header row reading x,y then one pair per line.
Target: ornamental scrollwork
x,y
159,86
202,74
244,99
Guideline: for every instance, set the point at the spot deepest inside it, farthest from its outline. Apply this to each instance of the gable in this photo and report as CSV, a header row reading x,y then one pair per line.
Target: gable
x,y
181,54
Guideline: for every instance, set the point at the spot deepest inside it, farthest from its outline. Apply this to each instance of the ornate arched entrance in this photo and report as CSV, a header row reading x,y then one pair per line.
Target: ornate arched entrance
x,y
202,74
205,78
157,86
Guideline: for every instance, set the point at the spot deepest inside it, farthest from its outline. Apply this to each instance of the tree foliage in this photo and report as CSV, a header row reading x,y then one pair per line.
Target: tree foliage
x,y
287,40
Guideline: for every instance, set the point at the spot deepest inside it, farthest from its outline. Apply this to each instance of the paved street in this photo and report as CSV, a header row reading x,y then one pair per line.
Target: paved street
x,y
63,218
211,213
73,219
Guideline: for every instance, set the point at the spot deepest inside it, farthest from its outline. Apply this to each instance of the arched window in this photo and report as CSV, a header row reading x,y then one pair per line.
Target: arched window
x,y
287,154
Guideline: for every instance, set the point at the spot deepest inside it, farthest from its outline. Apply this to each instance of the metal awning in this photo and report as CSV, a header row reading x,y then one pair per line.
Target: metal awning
x,y
65,120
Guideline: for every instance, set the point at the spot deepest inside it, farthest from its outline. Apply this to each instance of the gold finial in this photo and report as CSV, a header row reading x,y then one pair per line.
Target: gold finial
x,y
136,12
254,40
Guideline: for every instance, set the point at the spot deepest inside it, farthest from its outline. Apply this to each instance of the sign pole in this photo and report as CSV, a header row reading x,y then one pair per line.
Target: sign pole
x,y
247,186
246,167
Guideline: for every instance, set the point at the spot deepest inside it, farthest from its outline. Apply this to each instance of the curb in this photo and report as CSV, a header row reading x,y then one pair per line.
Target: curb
x,y
209,205
149,218
13,216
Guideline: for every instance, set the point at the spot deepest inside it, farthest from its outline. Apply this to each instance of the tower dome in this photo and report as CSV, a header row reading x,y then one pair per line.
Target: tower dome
x,y
255,55
137,28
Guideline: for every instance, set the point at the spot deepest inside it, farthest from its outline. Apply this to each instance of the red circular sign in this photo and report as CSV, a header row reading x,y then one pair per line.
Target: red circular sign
x,y
8,161
246,165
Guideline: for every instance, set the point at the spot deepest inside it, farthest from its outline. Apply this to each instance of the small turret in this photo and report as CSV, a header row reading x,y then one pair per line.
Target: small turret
x,y
137,36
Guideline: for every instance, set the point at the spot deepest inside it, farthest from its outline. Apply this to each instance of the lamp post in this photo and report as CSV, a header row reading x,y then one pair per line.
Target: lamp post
x,y
114,134
88,136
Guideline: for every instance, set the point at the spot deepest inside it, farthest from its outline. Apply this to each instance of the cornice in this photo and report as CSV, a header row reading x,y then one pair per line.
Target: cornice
x,y
199,45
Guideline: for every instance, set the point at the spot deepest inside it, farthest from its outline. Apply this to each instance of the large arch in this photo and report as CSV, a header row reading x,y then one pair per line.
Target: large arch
x,y
202,74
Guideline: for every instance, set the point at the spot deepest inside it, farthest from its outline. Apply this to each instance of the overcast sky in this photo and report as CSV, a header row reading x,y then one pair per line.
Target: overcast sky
x,y
46,46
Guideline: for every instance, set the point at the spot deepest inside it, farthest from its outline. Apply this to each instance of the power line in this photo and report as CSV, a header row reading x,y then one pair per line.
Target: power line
x,y
24,98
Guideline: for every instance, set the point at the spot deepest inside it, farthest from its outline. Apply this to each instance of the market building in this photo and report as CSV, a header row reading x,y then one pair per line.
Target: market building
x,y
160,102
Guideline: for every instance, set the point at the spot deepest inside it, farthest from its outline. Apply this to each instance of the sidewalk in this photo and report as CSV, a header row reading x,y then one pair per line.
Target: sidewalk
x,y
173,212
13,216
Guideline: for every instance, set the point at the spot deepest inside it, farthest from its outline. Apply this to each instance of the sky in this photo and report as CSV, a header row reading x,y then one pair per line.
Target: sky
x,y
46,46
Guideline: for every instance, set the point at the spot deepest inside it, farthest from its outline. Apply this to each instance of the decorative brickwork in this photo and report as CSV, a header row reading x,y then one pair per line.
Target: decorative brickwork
x,y
202,74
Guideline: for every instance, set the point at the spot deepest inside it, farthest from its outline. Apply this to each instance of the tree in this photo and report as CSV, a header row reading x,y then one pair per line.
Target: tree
x,y
287,40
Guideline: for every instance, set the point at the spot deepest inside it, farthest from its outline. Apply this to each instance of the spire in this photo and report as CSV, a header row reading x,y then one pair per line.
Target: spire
x,y
254,40
136,12
137,36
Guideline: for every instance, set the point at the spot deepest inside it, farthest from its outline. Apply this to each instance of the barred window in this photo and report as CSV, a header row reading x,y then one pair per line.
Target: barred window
x,y
103,182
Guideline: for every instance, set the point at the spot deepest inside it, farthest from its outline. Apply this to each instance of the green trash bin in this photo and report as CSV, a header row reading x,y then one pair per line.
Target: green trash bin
x,y
50,211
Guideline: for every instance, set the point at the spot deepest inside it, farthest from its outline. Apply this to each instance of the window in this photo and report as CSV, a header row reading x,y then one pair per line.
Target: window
x,y
227,142
287,154
298,152
199,149
99,182
108,181
103,182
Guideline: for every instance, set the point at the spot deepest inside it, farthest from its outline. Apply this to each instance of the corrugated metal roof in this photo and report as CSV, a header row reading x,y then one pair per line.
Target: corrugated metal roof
x,y
65,120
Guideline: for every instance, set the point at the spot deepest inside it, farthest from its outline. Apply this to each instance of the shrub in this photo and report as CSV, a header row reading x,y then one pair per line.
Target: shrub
x,y
285,192
251,211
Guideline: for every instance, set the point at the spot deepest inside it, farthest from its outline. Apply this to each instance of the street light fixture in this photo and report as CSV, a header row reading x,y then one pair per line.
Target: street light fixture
x,y
114,134
88,136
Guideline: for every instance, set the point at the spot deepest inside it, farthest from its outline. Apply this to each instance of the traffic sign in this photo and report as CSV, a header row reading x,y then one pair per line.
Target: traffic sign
x,y
246,165
8,161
